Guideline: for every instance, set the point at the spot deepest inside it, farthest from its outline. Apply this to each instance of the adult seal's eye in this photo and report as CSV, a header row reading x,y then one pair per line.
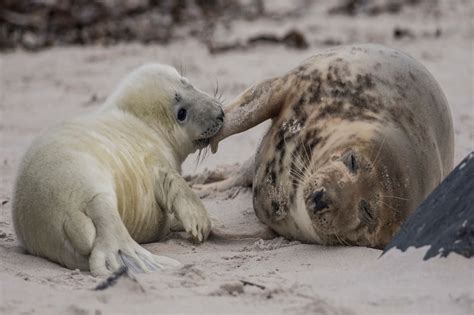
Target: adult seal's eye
x,y
350,161
182,113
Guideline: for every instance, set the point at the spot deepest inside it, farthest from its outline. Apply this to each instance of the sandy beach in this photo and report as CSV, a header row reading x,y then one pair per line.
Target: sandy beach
x,y
226,274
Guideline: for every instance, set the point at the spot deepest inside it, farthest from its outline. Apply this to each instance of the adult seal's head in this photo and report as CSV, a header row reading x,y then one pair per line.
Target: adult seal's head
x,y
160,96
348,190
360,135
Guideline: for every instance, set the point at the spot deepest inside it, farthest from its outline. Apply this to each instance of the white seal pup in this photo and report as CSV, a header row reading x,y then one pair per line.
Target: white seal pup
x,y
360,136
89,190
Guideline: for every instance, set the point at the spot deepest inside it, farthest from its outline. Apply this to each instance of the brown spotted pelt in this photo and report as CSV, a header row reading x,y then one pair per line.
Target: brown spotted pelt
x,y
360,135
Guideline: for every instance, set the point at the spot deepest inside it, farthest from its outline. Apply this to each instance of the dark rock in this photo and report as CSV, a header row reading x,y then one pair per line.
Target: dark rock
x,y
295,39
445,220
399,33
371,7
37,24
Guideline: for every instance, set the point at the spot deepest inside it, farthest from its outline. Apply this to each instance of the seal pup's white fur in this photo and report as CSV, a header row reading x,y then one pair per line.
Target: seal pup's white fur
x,y
89,190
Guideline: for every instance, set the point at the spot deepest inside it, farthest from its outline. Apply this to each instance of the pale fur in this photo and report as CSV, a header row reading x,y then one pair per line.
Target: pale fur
x,y
92,188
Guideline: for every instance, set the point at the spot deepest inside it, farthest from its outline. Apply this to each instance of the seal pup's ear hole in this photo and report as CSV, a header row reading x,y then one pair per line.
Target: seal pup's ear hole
x,y
350,160
185,82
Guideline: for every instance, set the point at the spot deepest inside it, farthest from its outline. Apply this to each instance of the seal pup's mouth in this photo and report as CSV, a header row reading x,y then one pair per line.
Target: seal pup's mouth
x,y
205,137
202,143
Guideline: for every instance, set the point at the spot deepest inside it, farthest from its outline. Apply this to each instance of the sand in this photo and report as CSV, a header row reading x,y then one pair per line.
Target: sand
x,y
38,90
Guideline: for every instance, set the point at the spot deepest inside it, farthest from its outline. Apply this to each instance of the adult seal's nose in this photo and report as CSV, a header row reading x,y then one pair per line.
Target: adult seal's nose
x,y
319,200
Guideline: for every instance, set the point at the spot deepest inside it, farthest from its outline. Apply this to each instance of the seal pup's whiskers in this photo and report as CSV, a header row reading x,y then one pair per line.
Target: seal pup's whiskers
x,y
218,94
216,90
179,66
201,156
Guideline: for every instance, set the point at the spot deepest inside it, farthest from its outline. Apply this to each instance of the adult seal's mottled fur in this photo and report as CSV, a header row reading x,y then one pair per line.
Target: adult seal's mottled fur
x,y
360,135
89,190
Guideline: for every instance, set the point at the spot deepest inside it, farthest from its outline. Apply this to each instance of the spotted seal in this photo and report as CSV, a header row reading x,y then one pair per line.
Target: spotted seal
x,y
360,135
89,190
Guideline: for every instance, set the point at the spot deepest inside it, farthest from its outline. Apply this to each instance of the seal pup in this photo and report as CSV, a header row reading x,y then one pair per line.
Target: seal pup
x,y
89,190
360,136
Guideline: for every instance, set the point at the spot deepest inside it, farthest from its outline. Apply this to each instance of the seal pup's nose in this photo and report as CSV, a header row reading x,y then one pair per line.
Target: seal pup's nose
x,y
221,116
319,200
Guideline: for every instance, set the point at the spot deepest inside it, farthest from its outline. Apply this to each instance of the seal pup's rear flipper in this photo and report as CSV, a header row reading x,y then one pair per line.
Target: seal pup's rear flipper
x,y
113,246
144,261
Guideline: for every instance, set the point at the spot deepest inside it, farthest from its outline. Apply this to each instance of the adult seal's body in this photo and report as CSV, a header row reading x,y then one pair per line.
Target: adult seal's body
x,y
92,188
360,135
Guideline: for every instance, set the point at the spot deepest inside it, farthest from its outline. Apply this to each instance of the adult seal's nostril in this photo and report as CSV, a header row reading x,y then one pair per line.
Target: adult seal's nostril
x,y
319,202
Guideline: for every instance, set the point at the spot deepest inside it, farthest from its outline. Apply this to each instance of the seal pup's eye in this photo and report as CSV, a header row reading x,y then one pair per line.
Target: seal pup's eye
x,y
182,113
350,161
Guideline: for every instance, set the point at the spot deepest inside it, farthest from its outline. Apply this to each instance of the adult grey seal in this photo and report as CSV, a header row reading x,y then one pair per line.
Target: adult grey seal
x,y
89,190
360,135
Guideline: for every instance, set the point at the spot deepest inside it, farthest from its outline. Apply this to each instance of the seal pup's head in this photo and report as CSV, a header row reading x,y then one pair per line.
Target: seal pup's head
x,y
158,95
355,193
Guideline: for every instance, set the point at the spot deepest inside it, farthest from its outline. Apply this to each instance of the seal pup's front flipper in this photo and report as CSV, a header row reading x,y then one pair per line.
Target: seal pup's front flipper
x,y
173,193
